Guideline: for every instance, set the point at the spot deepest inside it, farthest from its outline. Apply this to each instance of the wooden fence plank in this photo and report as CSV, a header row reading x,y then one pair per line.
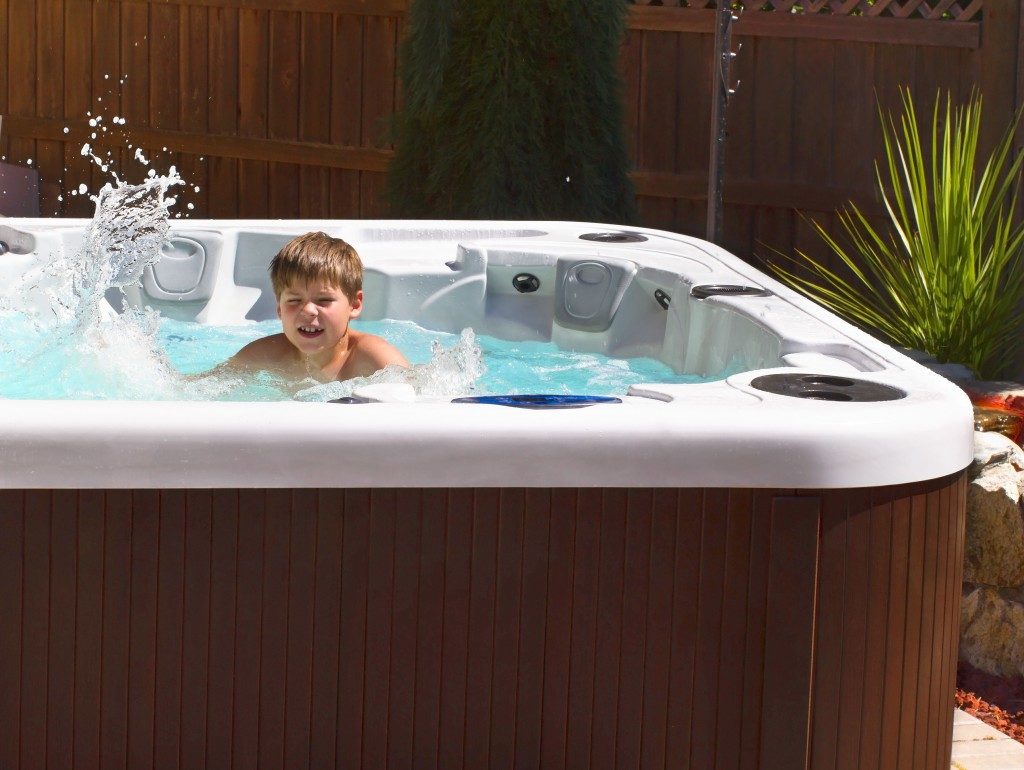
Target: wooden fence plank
x,y
222,186
346,109
283,109
315,111
253,85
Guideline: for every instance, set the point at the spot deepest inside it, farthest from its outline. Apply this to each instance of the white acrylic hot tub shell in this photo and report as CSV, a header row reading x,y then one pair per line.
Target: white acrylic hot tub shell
x,y
719,434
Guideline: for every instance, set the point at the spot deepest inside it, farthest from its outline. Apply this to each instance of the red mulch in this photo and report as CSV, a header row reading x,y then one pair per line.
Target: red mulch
x,y
995,700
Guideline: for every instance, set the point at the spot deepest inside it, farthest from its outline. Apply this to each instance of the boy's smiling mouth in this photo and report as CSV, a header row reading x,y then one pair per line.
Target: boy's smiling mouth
x,y
310,331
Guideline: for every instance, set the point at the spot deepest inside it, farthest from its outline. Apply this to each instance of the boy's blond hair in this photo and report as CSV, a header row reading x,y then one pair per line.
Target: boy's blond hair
x,y
317,256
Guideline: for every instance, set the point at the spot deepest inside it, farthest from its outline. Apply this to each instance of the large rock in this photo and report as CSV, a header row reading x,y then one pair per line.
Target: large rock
x,y
994,540
991,625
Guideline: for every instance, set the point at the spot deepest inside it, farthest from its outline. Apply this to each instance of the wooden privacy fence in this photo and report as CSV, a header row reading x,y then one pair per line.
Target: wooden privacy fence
x,y
279,108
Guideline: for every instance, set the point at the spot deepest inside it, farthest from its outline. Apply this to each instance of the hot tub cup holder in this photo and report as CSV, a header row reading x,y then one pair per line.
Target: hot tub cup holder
x,y
539,401
826,387
614,236
703,291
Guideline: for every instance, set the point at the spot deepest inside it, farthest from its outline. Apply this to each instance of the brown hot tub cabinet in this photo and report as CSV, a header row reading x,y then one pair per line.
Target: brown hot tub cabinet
x,y
480,628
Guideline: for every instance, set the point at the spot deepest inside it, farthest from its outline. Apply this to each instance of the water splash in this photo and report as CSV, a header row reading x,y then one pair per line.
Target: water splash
x,y
449,372
63,339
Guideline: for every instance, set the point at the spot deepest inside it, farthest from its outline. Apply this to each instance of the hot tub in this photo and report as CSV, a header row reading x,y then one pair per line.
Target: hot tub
x,y
759,570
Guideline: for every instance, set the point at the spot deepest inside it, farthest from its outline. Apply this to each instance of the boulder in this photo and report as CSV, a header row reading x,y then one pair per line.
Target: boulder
x,y
993,546
994,538
991,620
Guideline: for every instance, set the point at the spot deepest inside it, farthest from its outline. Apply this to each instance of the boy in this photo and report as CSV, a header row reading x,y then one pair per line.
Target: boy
x,y
318,281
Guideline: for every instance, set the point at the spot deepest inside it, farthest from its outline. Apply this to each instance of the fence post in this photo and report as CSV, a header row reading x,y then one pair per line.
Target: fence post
x,y
998,65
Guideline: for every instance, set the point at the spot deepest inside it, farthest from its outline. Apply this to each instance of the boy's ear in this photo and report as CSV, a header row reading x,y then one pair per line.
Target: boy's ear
x,y
357,304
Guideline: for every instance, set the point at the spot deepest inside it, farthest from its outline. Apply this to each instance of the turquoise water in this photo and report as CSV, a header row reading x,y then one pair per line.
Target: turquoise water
x,y
511,367
147,357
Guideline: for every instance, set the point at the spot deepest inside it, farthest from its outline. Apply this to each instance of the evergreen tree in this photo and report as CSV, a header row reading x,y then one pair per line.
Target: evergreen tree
x,y
512,111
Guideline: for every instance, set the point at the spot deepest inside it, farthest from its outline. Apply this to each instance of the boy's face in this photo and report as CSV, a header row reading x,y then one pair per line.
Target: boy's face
x,y
315,315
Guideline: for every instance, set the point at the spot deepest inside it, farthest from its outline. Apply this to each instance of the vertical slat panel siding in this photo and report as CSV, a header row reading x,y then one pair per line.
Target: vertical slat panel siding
x,y
169,625
876,631
117,565
109,69
749,738
248,624
507,615
532,628
558,627
401,673
789,631
895,633
315,110
194,76
431,598
694,57
657,629
223,108
483,577
455,654
50,100
5,66
77,83
659,119
22,77
196,606
734,626
608,647
346,106
909,739
636,583
927,713
813,99
273,628
330,513
773,134
253,84
60,665
35,629
829,629
582,643
851,705
708,628
283,108
380,597
299,627
135,44
682,700
12,560
224,572
352,649
142,627
517,627
378,102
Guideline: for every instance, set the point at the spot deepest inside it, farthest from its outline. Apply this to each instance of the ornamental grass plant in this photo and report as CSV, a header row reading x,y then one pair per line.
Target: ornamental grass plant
x,y
945,273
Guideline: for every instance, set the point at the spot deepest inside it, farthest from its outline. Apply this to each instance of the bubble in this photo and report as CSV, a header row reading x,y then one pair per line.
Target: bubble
x,y
29,161
82,189
191,207
67,130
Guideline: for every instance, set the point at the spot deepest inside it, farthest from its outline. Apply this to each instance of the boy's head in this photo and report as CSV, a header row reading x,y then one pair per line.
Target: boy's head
x,y
317,256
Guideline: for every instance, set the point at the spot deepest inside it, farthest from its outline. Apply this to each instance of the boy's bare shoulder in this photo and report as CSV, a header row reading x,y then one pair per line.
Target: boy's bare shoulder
x,y
377,352
274,350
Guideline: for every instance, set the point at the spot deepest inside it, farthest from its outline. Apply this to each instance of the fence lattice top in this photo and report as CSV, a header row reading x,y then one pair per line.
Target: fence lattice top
x,y
950,10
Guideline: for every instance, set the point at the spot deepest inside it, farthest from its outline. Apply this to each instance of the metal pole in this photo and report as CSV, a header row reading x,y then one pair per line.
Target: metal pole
x,y
720,92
